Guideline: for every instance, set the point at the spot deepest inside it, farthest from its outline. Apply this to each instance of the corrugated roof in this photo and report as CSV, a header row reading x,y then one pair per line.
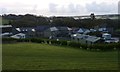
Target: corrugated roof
x,y
82,30
53,29
25,29
19,35
4,26
64,28
87,37
93,38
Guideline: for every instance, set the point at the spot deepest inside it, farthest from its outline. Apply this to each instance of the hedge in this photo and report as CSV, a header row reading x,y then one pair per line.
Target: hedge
x,y
103,47
63,42
37,40
74,44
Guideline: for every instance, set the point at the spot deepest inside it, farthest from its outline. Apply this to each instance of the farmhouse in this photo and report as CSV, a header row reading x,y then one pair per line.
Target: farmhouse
x,y
29,31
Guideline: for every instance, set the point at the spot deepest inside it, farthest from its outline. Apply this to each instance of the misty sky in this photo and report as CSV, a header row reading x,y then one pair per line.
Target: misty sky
x,y
59,7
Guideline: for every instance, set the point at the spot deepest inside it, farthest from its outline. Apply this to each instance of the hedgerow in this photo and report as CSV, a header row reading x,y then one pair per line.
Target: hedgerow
x,y
102,47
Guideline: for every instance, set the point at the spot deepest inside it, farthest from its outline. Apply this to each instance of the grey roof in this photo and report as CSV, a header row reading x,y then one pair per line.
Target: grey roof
x,y
42,28
53,29
7,33
19,35
5,26
86,37
82,30
116,40
64,28
26,29
93,38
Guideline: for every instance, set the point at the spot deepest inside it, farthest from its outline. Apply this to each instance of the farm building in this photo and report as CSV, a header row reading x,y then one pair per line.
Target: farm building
x,y
85,39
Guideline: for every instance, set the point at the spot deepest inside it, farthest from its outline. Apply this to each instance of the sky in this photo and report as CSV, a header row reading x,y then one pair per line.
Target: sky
x,y
59,7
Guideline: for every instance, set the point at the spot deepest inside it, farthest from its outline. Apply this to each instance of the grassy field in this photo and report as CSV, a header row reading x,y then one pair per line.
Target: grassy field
x,y
5,21
33,56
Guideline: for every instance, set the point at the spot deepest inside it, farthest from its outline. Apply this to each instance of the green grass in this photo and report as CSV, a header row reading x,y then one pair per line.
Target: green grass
x,y
33,56
118,30
5,21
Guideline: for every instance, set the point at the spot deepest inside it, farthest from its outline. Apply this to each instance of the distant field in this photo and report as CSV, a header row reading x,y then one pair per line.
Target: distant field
x,y
33,56
5,21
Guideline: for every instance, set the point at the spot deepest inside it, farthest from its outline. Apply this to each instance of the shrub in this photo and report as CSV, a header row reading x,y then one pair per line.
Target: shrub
x,y
84,46
55,42
37,40
105,47
74,44
47,41
8,39
63,42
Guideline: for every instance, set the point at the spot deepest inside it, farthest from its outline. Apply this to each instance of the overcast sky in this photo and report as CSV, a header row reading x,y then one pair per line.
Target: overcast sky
x,y
59,7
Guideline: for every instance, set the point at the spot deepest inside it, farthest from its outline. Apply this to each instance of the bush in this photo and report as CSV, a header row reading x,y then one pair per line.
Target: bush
x,y
84,46
63,43
74,44
37,40
22,40
8,39
105,47
102,47
55,42
47,41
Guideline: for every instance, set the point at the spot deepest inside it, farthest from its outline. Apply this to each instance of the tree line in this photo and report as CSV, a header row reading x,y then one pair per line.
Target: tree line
x,y
30,20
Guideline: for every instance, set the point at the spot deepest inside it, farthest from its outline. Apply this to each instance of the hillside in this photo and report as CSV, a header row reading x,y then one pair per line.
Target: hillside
x,y
33,56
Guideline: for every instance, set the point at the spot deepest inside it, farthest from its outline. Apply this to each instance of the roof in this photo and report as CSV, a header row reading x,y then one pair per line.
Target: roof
x,y
116,40
86,37
5,26
64,28
82,30
41,28
102,29
26,29
53,29
7,33
93,38
19,35
106,34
